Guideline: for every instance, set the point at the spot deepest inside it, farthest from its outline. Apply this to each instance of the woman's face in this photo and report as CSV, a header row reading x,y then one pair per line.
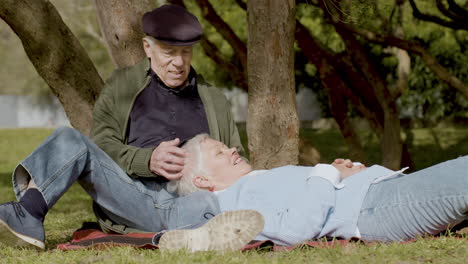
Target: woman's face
x,y
224,165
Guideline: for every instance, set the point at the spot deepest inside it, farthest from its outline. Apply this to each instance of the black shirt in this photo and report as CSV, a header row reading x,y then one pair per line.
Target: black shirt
x,y
161,113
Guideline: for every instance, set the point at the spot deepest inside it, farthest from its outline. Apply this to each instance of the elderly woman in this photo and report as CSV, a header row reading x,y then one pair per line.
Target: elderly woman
x,y
302,203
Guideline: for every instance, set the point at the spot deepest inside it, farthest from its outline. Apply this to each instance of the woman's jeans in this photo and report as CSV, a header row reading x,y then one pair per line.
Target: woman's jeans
x,y
67,156
424,202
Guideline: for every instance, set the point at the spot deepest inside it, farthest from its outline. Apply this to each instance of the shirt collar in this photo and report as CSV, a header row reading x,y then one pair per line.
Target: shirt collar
x,y
188,90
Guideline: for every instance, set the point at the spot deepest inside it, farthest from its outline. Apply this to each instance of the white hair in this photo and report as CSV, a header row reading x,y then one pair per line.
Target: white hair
x,y
193,167
151,40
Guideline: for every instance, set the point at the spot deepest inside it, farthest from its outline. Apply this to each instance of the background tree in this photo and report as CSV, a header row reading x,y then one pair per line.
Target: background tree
x,y
272,123
340,43
57,56
349,66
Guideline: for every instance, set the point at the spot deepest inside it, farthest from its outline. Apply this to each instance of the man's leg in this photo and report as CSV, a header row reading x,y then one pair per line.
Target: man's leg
x,y
67,156
421,203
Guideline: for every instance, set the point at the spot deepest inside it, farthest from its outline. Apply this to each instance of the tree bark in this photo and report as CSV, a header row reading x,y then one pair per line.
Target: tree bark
x,y
57,56
272,124
120,22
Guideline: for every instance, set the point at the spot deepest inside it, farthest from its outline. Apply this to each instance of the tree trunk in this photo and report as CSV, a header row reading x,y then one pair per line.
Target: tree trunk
x,y
57,56
338,91
272,124
120,22
390,142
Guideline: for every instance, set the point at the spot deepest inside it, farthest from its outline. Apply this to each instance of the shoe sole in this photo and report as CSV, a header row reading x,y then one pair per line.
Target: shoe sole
x,y
225,232
11,238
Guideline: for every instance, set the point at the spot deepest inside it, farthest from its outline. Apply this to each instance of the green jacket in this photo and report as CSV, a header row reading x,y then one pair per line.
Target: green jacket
x,y
112,112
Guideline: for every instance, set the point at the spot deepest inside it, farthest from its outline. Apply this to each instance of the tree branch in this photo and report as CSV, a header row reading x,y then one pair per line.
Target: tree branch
x,y
430,18
210,49
236,75
447,11
415,48
330,64
457,9
242,4
338,91
240,49
404,60
177,2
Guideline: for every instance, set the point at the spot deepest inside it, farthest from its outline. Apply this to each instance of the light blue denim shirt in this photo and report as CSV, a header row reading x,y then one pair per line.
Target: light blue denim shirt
x,y
299,205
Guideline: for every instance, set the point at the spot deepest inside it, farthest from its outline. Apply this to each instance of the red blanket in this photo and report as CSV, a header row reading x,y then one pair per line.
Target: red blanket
x,y
94,238
90,237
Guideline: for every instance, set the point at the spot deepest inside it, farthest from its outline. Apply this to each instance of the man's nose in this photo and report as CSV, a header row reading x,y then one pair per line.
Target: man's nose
x,y
178,60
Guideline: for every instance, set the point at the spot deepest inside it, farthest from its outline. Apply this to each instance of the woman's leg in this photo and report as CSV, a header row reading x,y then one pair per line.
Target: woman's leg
x,y
424,202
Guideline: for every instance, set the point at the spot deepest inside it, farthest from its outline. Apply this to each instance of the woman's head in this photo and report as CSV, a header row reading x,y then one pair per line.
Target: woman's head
x,y
209,165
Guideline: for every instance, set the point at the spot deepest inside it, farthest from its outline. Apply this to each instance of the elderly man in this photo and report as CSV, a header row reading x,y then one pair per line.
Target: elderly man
x,y
140,118
147,110
302,203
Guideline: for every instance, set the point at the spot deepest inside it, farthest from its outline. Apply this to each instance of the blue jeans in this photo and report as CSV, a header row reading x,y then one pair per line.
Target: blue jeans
x,y
420,203
67,156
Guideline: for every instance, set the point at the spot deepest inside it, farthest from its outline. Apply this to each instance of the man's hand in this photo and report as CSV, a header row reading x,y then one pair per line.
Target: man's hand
x,y
347,168
168,160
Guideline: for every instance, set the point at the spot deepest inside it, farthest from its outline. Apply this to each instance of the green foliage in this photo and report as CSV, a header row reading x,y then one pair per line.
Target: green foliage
x,y
236,18
312,17
427,97
434,98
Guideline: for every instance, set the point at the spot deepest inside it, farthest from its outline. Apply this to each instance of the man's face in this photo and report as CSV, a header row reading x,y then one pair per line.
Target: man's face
x,y
224,165
170,63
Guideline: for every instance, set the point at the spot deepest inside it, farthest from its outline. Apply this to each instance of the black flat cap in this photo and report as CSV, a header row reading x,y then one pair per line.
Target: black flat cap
x,y
173,25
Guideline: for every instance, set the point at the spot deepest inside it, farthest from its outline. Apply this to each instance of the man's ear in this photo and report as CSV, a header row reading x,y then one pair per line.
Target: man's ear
x,y
202,182
147,47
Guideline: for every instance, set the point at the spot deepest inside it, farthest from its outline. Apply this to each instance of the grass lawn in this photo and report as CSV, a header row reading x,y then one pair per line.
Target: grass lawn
x,y
429,147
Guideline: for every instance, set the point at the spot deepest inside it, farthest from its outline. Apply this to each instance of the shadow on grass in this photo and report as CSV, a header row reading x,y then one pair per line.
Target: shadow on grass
x,y
429,155
5,179
425,151
6,188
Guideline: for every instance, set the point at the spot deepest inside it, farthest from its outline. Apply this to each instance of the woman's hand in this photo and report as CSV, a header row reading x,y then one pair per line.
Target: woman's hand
x,y
347,167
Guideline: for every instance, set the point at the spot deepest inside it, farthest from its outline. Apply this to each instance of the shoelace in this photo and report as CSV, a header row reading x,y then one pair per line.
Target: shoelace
x,y
18,210
208,215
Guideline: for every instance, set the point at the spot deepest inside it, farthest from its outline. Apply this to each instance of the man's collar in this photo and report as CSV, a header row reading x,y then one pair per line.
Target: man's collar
x,y
187,90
